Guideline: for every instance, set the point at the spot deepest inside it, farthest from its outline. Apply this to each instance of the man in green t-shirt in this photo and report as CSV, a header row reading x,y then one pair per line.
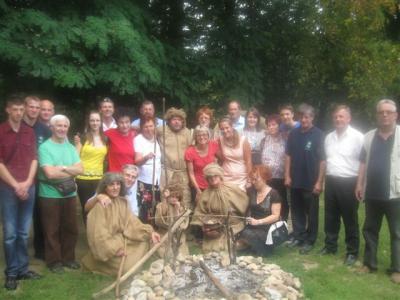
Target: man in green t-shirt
x,y
59,164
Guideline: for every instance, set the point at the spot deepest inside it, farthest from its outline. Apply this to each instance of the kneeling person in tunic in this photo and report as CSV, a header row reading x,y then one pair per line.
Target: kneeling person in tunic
x,y
113,231
213,207
167,212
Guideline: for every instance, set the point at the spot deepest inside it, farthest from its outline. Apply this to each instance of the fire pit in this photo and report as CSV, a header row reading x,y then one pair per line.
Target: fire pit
x,y
250,278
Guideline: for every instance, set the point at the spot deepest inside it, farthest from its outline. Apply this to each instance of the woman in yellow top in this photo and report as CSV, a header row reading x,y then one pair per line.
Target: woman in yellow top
x,y
92,150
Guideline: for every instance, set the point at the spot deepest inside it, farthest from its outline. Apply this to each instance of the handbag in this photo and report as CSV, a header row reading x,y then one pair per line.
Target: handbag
x,y
277,234
65,187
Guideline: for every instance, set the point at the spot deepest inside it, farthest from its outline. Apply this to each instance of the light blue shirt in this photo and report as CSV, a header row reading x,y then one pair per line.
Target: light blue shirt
x,y
136,122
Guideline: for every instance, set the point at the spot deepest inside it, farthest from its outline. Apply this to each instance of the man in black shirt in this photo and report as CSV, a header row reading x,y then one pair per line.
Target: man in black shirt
x,y
304,169
378,185
42,133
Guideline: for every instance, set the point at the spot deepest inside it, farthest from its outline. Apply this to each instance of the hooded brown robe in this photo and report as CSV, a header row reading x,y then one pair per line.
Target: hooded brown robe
x,y
107,227
220,201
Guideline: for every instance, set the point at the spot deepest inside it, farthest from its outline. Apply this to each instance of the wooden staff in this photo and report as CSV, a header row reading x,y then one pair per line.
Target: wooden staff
x,y
215,281
163,132
153,184
121,267
144,258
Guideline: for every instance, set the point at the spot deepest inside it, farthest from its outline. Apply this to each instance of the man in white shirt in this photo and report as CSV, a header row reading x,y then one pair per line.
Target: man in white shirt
x,y
106,108
234,113
342,148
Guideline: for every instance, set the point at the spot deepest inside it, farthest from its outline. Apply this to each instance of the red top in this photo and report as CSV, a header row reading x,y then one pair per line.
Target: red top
x,y
199,162
120,149
17,150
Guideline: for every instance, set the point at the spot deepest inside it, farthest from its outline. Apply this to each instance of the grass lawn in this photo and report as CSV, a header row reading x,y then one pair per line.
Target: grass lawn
x,y
323,278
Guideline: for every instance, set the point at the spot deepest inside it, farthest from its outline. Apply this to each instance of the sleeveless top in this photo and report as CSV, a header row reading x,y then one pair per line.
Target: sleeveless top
x,y
92,159
233,164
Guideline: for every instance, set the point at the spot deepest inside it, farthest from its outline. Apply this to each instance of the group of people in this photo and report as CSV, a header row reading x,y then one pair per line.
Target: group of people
x,y
135,177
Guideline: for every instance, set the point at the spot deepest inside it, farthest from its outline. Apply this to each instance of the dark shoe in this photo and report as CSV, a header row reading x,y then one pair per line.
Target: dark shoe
x,y
390,271
305,249
72,265
350,259
294,244
56,268
29,275
11,283
326,251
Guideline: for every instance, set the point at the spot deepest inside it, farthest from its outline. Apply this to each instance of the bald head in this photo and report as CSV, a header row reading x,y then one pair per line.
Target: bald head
x,y
46,110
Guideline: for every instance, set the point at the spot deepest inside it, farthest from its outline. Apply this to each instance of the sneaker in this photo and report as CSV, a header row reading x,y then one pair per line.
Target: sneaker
x,y
72,265
306,248
350,259
326,251
56,268
11,283
29,275
294,244
395,277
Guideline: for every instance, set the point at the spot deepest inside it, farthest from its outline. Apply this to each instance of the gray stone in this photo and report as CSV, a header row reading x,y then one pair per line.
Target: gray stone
x,y
244,297
157,266
252,267
141,296
158,290
134,290
155,280
242,264
138,283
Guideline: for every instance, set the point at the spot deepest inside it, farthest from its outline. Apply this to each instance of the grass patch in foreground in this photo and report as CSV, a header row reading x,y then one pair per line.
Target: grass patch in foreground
x,y
322,277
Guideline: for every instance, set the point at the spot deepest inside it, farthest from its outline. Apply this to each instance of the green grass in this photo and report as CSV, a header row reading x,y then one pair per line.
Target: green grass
x,y
326,278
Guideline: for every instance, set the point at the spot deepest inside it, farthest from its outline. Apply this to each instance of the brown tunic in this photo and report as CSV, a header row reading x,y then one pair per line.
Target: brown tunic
x,y
107,227
218,201
163,211
176,144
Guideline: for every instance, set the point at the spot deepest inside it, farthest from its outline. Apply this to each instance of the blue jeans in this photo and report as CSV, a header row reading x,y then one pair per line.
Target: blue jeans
x,y
17,217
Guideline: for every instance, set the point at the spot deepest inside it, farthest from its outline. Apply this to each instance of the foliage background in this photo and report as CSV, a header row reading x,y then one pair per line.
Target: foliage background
x,y
197,52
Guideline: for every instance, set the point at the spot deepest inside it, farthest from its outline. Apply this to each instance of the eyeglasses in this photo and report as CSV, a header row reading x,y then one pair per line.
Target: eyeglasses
x,y
385,112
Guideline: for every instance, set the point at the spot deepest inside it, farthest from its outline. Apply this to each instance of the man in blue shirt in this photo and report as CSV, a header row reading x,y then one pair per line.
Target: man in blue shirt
x,y
304,168
147,110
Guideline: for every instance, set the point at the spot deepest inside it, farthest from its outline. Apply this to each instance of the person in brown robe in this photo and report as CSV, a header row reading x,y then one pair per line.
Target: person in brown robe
x,y
113,231
173,145
214,204
167,212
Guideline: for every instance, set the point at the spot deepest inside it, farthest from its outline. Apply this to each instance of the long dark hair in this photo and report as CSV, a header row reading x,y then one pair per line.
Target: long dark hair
x,y
256,113
88,133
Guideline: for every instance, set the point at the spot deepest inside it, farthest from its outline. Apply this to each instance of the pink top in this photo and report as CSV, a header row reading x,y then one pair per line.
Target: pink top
x,y
199,162
120,149
234,166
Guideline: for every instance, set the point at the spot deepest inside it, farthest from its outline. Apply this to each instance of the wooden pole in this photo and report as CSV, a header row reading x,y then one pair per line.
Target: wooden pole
x,y
215,281
163,129
140,263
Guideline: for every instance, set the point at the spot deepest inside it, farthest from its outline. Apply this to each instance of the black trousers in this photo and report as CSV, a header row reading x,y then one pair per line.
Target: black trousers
x,y
304,208
375,209
86,190
340,202
279,185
